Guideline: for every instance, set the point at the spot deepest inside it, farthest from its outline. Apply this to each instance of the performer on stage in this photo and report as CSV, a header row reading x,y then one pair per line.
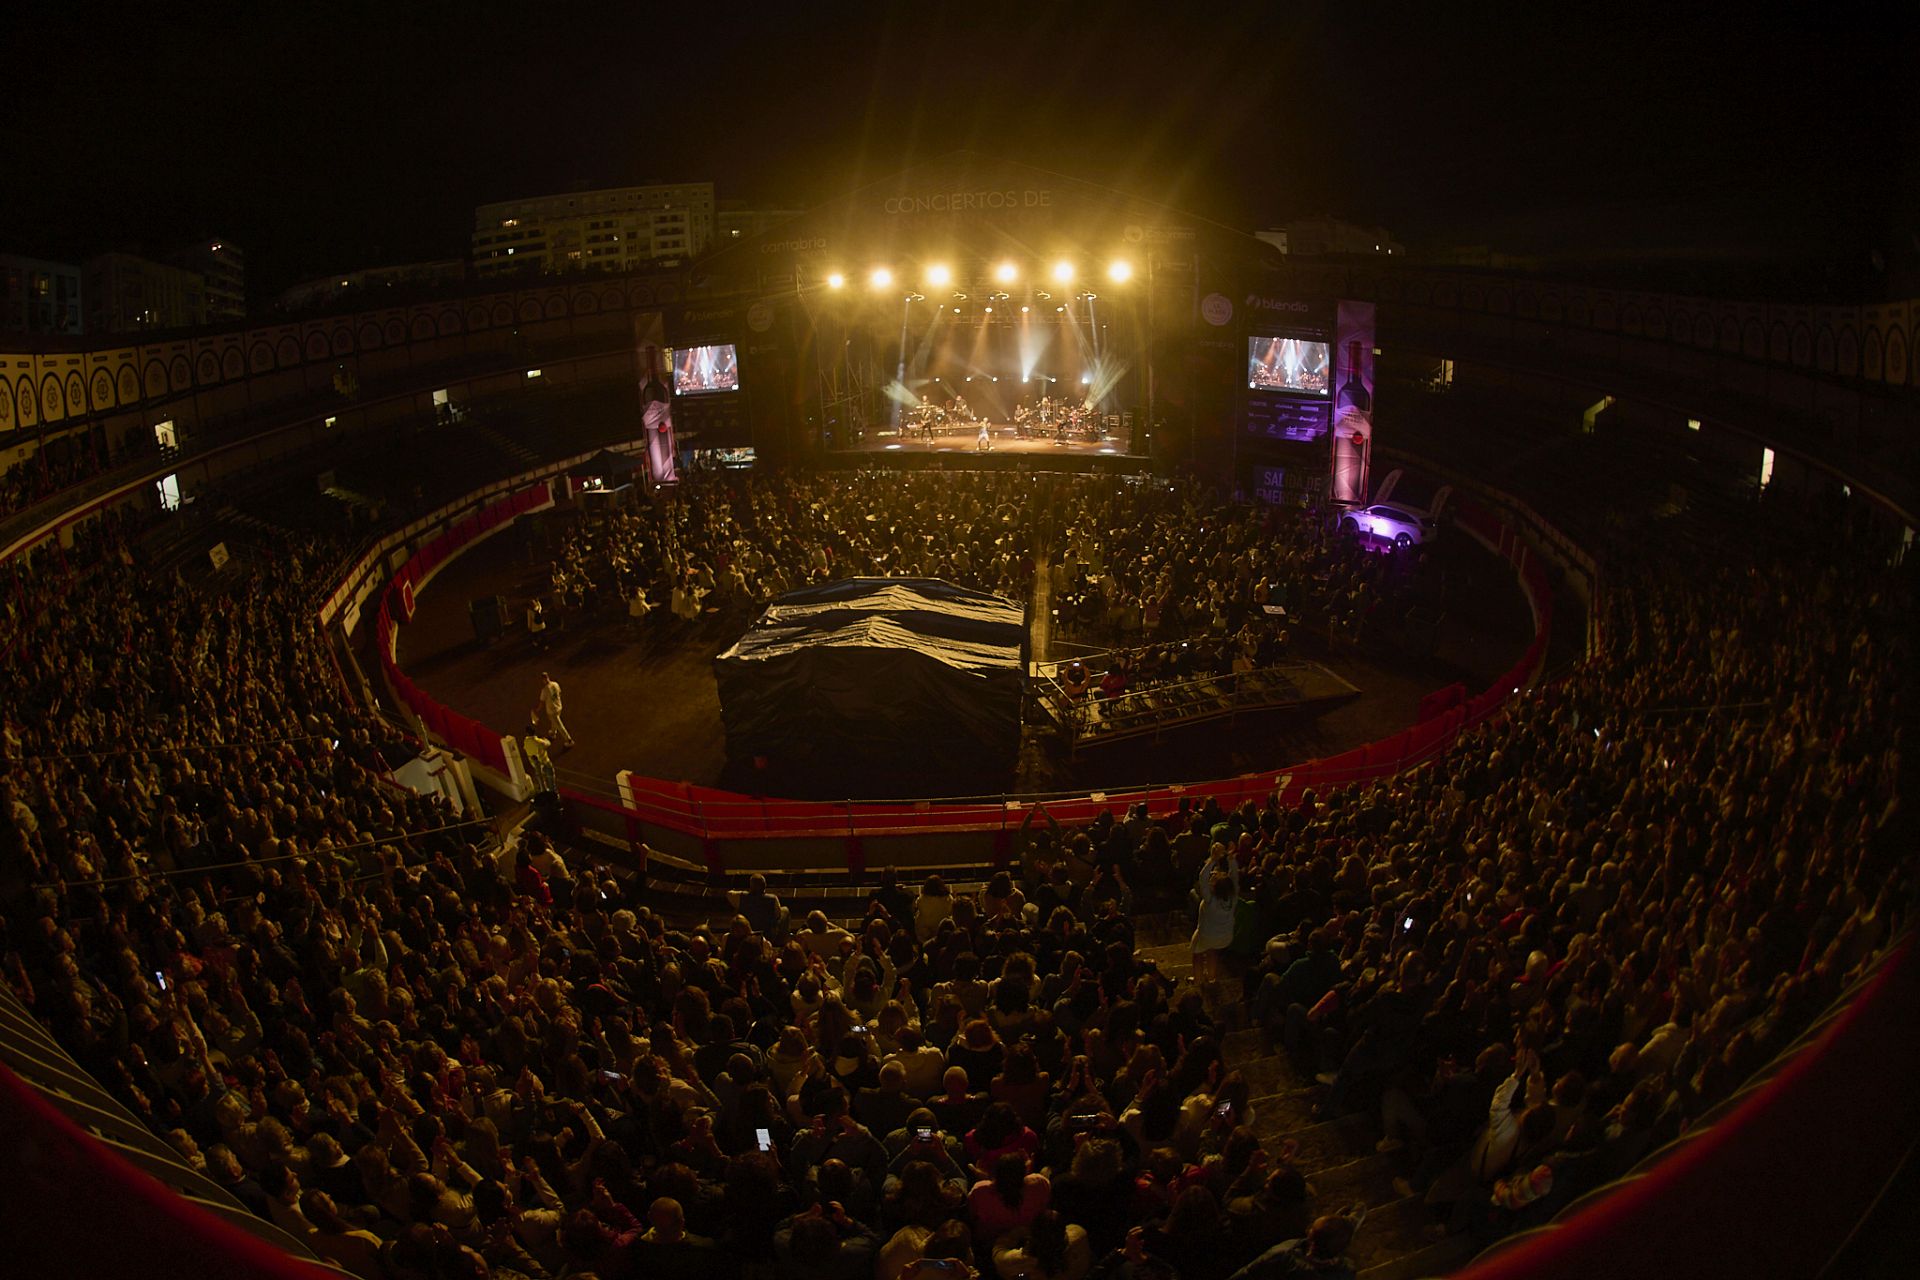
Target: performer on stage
x,y
985,443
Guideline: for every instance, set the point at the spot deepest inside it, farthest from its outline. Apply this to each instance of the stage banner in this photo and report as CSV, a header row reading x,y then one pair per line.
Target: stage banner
x,y
1352,400
656,406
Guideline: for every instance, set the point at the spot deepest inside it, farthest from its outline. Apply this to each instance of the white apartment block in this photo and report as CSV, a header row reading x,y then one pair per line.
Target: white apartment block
x,y
612,230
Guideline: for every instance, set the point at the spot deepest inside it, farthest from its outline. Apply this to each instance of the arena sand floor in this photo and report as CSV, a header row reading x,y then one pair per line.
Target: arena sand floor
x,y
650,704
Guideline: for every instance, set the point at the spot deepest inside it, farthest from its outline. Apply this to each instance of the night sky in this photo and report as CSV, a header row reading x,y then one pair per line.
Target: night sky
x,y
329,136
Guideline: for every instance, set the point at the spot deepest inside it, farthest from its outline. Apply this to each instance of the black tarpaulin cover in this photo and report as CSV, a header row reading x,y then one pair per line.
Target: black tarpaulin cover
x,y
892,669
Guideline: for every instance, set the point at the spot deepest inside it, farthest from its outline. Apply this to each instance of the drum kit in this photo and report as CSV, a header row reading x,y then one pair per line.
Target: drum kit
x,y
1065,421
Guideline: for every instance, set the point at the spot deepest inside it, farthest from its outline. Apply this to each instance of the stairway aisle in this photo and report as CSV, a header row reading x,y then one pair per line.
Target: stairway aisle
x,y
1336,1155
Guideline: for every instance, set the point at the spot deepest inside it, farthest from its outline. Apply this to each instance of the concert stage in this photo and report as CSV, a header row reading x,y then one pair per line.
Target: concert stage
x,y
1002,438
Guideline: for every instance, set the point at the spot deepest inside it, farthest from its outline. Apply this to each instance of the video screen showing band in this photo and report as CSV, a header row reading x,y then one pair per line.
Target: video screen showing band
x,y
1287,364
698,370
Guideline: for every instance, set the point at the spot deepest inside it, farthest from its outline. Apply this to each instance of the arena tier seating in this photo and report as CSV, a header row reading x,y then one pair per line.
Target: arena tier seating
x,y
1583,929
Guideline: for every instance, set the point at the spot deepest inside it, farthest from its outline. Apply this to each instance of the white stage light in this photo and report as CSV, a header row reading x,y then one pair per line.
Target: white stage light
x,y
939,275
1121,271
1006,273
1063,271
881,278
1086,379
1023,311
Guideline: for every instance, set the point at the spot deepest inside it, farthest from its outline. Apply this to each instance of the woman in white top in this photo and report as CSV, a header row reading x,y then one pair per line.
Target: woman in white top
x,y
1214,932
933,905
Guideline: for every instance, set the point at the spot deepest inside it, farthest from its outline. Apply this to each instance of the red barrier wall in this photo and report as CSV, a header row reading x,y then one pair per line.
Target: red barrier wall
x,y
73,1208
467,736
1777,1186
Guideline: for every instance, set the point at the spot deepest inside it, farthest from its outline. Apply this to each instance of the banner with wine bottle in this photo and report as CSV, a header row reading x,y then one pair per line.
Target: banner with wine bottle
x,y
1352,400
656,407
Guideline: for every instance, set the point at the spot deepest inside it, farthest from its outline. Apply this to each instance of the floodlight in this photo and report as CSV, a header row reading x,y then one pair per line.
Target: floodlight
x,y
881,278
1063,271
835,280
1006,273
1121,271
940,275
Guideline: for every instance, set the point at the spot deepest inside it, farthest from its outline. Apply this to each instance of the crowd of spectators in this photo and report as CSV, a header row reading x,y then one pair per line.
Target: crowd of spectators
x,y
42,475
725,541
1143,561
427,1053
1132,562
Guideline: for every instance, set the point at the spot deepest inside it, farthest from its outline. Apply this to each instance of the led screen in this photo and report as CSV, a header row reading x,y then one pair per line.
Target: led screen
x,y
1287,364
698,370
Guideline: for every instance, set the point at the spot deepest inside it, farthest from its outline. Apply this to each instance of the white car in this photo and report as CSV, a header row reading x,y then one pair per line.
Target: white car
x,y
1389,522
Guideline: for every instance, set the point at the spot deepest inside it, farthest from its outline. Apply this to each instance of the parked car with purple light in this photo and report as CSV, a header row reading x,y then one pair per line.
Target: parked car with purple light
x,y
1389,522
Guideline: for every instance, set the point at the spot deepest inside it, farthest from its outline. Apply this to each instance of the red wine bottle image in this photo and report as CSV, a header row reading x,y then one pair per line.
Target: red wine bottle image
x,y
1353,396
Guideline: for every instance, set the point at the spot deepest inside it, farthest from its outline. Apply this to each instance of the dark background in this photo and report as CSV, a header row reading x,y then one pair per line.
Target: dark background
x,y
328,136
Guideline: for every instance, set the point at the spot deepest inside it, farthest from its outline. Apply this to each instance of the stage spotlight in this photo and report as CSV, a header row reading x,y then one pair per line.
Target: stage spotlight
x,y
1059,308
1006,273
1121,271
1023,311
939,274
989,310
835,280
1063,271
881,278
1086,379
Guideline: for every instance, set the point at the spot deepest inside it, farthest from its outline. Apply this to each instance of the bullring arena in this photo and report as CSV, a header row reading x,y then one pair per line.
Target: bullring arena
x,y
658,775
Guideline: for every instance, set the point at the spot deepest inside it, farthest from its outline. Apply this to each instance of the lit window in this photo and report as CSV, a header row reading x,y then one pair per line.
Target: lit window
x,y
1693,424
533,373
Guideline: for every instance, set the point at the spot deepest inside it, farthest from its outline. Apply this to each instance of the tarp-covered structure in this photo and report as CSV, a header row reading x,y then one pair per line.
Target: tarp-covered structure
x,y
887,670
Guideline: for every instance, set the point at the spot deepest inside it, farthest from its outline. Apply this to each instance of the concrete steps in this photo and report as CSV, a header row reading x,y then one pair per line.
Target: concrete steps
x,y
1338,1158
1395,1231
1435,1259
